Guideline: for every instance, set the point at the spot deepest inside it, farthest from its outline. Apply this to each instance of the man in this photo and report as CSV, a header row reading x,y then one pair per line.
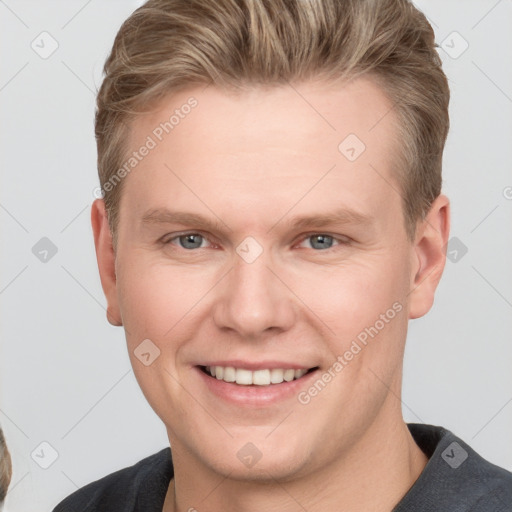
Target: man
x,y
299,145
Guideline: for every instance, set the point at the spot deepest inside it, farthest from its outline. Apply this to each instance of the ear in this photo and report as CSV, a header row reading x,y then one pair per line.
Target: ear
x,y
429,256
106,260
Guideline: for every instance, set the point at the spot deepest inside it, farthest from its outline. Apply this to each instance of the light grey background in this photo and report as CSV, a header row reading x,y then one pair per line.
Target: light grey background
x,y
66,376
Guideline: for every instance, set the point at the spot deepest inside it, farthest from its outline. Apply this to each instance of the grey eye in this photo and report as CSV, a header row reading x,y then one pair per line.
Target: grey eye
x,y
324,241
190,241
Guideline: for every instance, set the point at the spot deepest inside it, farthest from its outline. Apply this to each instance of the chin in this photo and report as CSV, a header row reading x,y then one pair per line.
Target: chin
x,y
249,458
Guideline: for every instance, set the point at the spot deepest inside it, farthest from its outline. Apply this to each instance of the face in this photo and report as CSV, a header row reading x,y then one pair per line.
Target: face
x,y
264,232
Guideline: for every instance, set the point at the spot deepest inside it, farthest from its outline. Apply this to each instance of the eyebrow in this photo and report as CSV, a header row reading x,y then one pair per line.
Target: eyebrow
x,y
338,217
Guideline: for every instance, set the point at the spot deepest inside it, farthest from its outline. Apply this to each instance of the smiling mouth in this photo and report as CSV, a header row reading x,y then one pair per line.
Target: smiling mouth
x,y
245,377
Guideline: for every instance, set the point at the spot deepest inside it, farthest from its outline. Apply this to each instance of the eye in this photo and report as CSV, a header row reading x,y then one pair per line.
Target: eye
x,y
194,240
187,241
324,242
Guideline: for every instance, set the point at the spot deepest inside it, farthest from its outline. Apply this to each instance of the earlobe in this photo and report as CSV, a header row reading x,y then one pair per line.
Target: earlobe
x,y
429,257
106,260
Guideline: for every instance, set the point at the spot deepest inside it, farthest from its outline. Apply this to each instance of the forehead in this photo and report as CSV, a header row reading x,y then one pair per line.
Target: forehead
x,y
251,116
267,145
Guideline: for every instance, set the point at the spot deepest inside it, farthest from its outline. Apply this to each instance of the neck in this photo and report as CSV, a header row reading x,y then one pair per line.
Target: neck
x,y
374,475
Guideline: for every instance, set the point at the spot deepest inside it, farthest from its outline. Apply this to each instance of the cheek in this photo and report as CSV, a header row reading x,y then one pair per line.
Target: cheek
x,y
350,297
154,298
153,305
365,309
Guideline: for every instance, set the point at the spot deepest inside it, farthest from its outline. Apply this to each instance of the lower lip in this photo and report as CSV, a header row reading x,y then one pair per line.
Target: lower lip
x,y
254,395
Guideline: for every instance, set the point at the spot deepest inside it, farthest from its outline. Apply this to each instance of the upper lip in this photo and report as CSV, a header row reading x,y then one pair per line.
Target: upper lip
x,y
261,365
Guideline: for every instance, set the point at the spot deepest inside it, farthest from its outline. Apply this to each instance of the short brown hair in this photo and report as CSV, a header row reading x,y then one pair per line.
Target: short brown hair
x,y
5,467
168,45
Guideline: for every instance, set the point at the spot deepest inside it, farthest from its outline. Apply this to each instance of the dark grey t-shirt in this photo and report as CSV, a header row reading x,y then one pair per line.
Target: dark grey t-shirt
x,y
455,479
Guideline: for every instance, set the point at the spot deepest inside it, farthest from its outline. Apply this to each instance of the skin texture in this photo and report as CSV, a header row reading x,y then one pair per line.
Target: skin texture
x,y
253,162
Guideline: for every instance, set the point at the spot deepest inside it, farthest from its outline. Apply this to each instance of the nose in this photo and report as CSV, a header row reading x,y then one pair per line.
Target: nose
x,y
254,299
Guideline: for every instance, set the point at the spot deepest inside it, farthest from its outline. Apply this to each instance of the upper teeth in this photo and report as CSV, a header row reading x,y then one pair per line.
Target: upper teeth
x,y
259,377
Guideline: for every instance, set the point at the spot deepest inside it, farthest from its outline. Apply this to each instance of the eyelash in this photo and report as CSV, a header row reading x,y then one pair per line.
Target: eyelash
x,y
341,241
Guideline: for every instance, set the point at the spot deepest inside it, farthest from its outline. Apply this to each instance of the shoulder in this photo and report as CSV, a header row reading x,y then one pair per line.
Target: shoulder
x,y
456,476
122,489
